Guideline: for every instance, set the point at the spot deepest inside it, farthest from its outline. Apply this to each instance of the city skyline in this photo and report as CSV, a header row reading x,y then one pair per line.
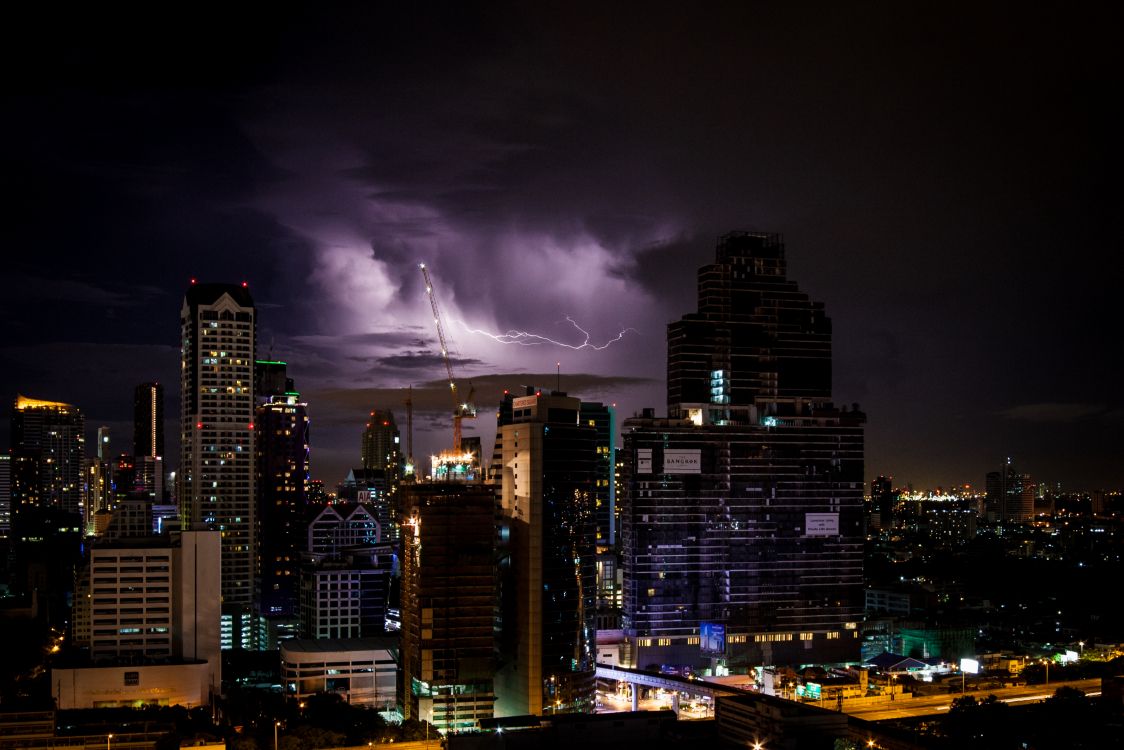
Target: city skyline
x,y
955,225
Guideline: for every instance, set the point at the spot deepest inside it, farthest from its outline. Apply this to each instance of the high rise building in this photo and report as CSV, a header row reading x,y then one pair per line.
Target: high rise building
x,y
548,564
103,448
756,339
1019,492
602,418
47,447
5,494
338,527
148,607
370,488
217,440
996,499
282,426
742,528
882,498
345,575
1010,495
148,420
345,596
381,447
446,666
381,454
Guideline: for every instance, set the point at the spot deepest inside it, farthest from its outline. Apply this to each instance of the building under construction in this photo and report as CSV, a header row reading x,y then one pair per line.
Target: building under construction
x,y
448,604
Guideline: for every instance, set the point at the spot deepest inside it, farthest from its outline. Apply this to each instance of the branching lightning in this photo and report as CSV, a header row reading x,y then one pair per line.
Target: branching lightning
x,y
526,338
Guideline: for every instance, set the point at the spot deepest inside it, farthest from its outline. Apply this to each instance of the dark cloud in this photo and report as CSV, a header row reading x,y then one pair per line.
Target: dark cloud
x,y
1053,412
420,359
580,161
26,288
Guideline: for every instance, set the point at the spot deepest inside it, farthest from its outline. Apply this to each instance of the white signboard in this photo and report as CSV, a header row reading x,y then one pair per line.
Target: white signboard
x,y
969,666
821,524
643,460
523,402
682,462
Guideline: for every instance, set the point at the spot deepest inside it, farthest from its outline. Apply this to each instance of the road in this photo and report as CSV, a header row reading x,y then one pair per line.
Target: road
x,y
689,709
904,708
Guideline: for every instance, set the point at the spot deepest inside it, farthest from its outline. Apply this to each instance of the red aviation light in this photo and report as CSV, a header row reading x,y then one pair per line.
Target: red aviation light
x,y
244,285
198,425
251,425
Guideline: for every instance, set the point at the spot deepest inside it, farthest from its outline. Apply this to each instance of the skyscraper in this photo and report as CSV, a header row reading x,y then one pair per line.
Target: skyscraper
x,y
602,419
756,339
548,567
381,447
218,329
48,446
281,422
742,511
148,420
381,453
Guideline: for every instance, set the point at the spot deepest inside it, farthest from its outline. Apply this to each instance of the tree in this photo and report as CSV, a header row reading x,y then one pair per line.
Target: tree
x,y
311,738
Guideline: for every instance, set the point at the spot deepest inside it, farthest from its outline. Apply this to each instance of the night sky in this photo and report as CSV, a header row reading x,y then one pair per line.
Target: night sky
x,y
942,176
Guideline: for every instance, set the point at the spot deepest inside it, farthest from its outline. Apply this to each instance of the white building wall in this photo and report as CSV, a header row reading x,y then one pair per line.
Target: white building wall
x,y
198,570
110,687
364,676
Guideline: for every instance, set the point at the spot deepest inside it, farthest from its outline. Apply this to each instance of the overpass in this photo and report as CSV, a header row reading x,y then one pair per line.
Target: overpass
x,y
674,684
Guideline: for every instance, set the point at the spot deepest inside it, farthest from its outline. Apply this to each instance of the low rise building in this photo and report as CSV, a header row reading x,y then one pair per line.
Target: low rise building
x,y
361,670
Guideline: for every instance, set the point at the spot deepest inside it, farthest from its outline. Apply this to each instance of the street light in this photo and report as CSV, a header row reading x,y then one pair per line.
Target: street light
x,y
276,725
1047,663
108,737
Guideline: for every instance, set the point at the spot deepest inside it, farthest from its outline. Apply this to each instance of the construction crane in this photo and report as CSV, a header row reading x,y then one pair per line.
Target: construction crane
x,y
461,409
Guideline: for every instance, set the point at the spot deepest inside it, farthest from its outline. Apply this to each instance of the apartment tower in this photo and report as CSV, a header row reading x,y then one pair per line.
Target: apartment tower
x,y
217,442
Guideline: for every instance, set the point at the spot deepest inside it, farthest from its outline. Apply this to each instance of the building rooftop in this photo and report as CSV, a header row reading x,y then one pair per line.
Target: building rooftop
x,y
23,403
208,294
335,645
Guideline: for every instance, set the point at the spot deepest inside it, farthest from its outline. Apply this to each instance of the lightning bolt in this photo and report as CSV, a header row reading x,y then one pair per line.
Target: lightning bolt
x,y
526,338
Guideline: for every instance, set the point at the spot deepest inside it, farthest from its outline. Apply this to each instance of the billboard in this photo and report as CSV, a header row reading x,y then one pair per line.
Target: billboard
x,y
821,524
643,460
682,461
524,402
969,666
712,638
810,690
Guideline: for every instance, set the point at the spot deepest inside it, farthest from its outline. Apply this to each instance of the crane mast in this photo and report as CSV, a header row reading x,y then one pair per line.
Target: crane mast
x,y
410,429
460,409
